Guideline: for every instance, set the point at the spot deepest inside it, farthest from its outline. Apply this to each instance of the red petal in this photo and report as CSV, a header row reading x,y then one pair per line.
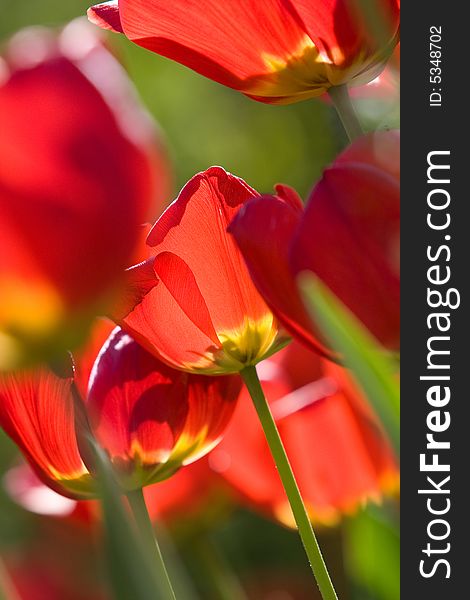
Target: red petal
x,y
342,31
212,401
341,459
137,405
179,280
349,235
289,195
85,356
139,281
264,230
205,287
144,412
275,51
225,41
56,186
337,450
38,411
160,325
106,16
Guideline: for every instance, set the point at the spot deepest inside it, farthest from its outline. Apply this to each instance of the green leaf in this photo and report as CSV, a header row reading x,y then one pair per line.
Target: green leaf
x,y
130,567
371,366
372,554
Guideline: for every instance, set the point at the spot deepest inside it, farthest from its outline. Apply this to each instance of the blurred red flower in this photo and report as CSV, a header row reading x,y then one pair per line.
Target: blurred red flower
x,y
149,418
79,164
203,313
334,442
42,574
275,51
348,235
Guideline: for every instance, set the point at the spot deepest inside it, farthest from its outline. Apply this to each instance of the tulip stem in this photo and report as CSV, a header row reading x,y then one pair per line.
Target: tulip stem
x,y
344,107
145,528
312,549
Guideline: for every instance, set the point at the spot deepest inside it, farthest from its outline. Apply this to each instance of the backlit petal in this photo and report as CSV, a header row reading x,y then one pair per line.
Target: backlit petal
x,y
228,41
38,411
204,314
106,16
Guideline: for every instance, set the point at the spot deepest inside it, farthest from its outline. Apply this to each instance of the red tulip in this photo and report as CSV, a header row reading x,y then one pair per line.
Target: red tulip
x,y
203,313
149,418
348,235
76,181
338,452
275,51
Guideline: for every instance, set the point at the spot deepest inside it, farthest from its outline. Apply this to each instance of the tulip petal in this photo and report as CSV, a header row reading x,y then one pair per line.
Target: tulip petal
x,y
179,280
106,16
341,30
346,458
194,229
226,41
137,405
212,402
205,288
337,449
84,357
38,411
182,343
274,51
66,178
263,230
151,418
139,280
349,237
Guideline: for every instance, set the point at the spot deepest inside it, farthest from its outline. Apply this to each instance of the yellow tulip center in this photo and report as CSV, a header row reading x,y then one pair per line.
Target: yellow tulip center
x,y
244,346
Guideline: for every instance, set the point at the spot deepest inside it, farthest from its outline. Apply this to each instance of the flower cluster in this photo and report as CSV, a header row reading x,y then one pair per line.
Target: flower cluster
x,y
194,302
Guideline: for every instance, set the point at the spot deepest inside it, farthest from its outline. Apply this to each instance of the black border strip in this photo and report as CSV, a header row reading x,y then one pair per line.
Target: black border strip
x,y
428,128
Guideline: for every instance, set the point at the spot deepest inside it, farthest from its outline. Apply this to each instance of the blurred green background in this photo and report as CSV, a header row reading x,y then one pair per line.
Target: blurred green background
x,y
206,124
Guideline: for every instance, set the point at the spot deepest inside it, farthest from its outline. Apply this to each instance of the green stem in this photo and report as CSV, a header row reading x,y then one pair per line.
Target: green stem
x,y
279,455
144,524
340,97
